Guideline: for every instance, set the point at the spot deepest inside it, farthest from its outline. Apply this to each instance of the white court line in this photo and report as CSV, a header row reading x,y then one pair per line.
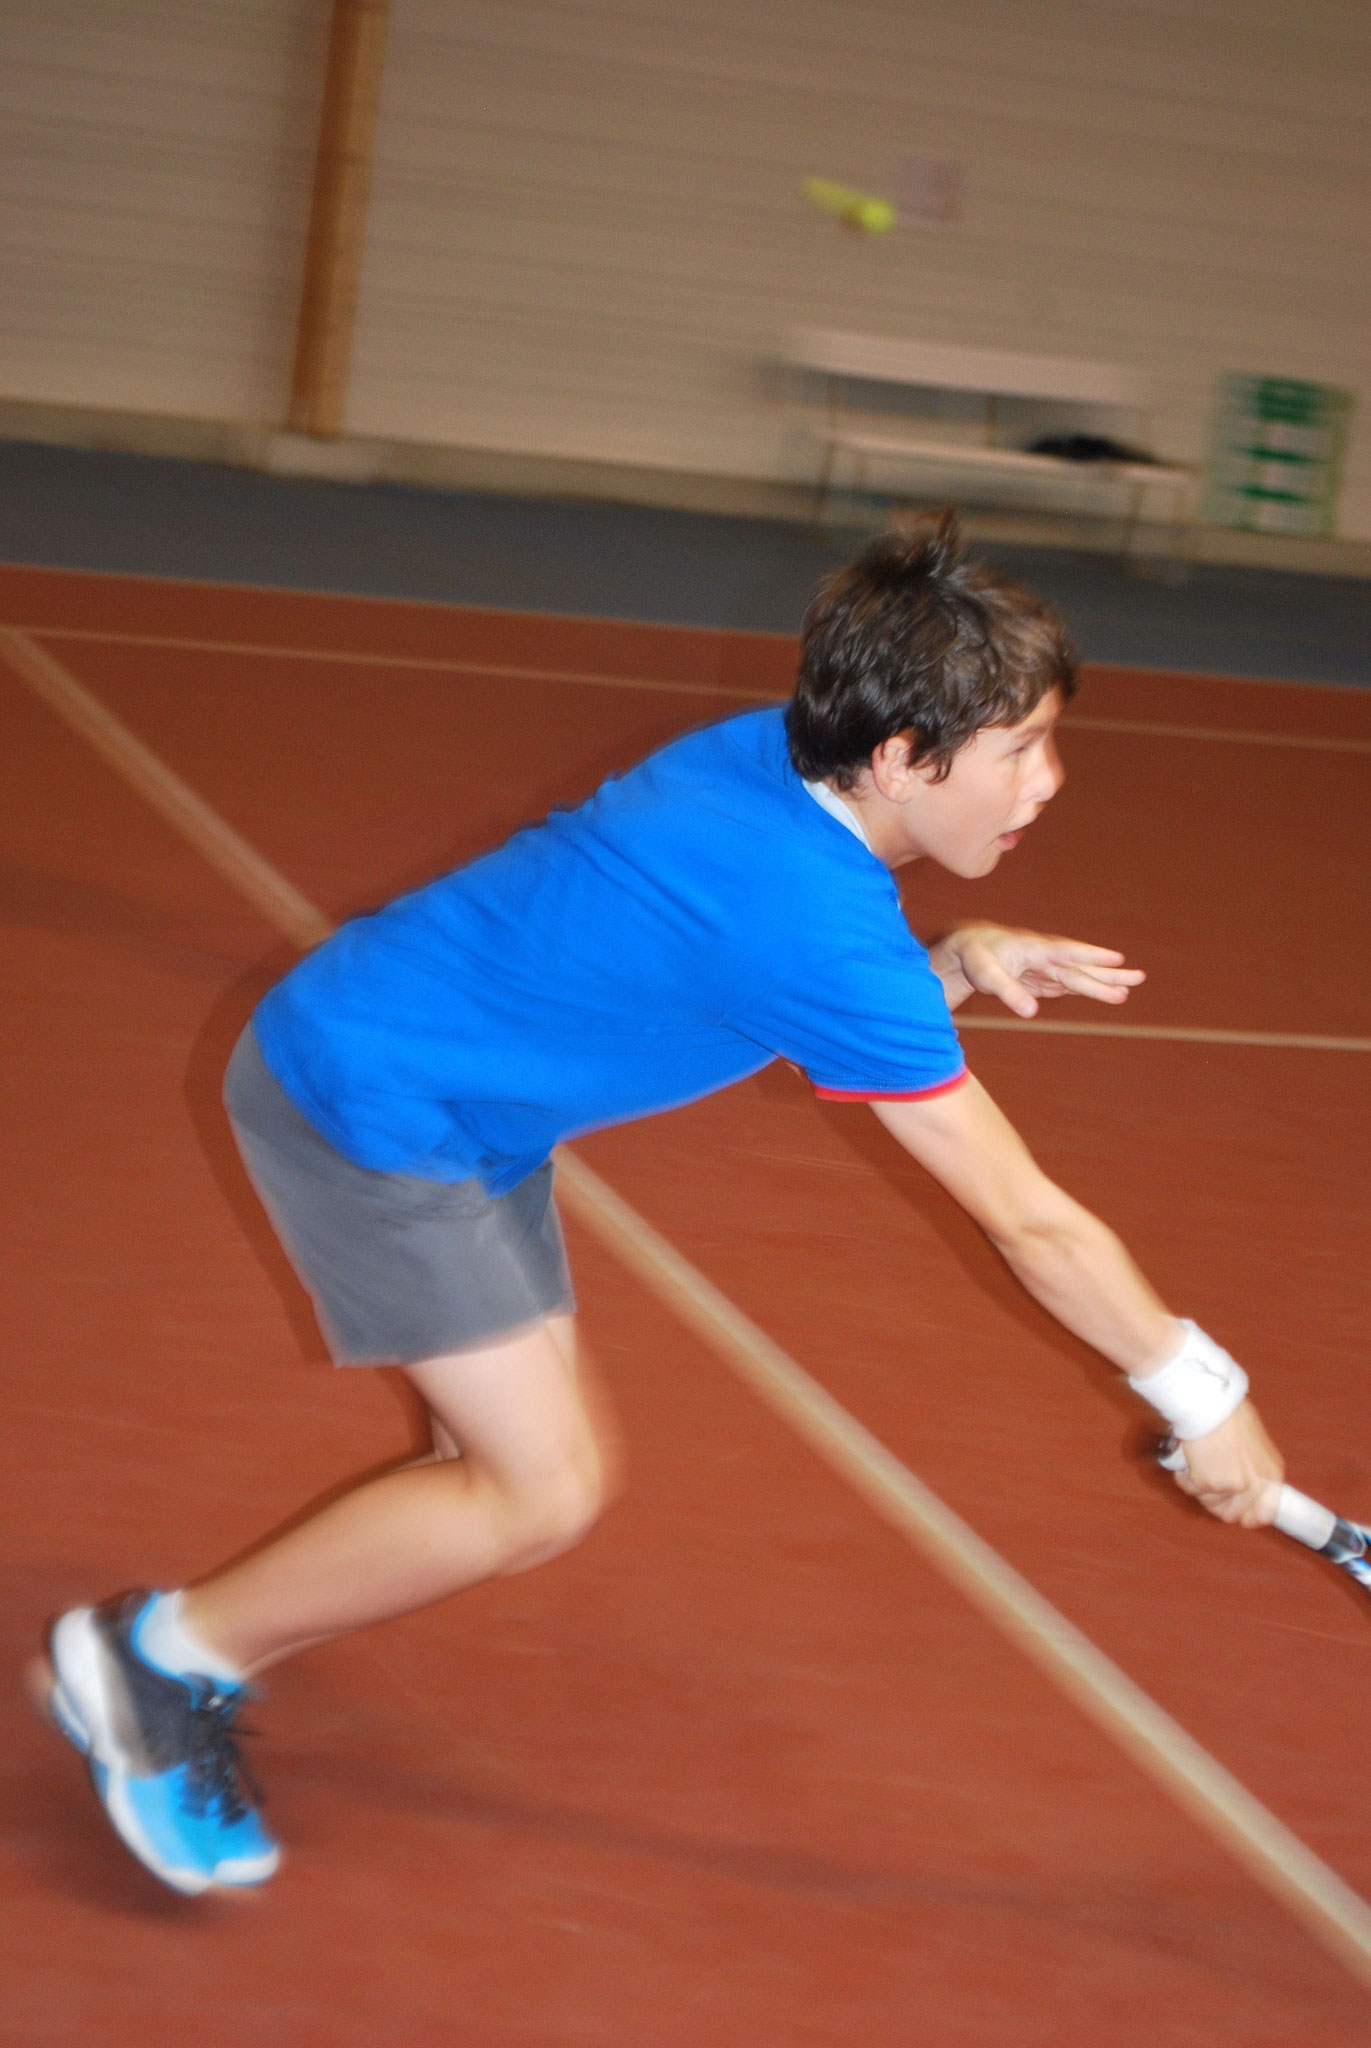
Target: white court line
x,y
1182,1034
1272,1853
177,802
424,663
1233,734
434,665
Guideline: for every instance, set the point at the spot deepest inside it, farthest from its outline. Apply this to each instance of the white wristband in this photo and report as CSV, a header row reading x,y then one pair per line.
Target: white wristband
x,y
1200,1387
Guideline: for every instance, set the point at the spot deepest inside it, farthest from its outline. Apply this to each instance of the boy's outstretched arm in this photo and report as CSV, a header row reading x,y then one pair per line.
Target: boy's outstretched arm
x,y
1083,1275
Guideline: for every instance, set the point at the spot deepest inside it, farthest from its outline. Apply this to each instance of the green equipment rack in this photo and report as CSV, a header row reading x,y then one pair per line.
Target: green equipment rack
x,y
1278,452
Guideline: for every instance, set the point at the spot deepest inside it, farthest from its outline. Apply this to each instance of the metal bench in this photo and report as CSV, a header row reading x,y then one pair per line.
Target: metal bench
x,y
991,375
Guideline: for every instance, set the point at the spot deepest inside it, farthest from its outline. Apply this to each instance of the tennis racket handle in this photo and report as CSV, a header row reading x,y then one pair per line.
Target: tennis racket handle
x,y
1296,1514
1308,1521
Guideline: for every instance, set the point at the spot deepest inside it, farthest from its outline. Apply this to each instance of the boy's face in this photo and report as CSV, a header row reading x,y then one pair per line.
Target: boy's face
x,y
995,788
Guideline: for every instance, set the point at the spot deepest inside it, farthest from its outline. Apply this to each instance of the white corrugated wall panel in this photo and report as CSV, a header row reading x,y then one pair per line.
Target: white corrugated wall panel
x,y
154,193
586,235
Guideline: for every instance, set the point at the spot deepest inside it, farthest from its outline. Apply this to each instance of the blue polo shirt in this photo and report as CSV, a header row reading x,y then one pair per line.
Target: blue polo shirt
x,y
696,918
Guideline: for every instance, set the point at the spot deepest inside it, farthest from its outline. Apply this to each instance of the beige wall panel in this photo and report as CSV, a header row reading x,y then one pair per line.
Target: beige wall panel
x,y
154,192
586,236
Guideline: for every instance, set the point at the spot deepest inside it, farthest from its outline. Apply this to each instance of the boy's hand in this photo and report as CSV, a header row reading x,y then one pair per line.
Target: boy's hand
x,y
1235,1471
1019,967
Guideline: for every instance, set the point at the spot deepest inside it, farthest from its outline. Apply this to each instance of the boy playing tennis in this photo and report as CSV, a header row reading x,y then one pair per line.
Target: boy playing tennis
x,y
396,1099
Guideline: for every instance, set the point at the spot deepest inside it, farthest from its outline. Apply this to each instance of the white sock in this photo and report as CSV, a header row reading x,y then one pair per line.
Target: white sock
x,y
164,1639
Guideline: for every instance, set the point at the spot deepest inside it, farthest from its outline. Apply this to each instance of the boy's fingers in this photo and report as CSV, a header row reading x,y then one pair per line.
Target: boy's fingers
x,y
1254,1507
994,979
1048,967
1099,993
1121,977
1051,946
981,964
1095,986
1016,997
1077,949
1072,957
1104,986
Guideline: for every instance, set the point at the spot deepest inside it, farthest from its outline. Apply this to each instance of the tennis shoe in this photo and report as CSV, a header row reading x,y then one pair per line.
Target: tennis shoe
x,y
161,1750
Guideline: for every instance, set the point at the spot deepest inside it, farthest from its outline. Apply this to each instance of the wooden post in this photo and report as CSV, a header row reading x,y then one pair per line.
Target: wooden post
x,y
337,223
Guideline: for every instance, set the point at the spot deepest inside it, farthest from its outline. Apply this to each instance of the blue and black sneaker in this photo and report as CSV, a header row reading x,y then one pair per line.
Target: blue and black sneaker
x,y
160,1749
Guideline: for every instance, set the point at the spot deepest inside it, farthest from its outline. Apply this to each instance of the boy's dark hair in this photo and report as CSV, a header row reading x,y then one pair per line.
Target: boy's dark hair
x,y
909,637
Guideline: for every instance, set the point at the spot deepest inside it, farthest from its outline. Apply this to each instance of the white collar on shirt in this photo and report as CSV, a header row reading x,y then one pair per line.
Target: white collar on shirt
x,y
828,800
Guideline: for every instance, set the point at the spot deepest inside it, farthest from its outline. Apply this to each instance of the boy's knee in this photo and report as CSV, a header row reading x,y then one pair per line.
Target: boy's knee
x,y
557,1516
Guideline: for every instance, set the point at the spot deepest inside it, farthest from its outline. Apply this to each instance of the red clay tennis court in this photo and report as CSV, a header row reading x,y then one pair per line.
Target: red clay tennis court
x,y
748,1767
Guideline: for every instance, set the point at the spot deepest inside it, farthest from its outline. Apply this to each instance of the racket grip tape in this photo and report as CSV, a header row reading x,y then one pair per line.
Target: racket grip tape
x,y
1296,1515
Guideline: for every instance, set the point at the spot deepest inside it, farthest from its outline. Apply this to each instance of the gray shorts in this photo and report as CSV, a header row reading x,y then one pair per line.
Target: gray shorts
x,y
400,1269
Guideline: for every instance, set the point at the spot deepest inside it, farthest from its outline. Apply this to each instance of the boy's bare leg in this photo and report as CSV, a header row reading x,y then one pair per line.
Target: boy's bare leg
x,y
535,1467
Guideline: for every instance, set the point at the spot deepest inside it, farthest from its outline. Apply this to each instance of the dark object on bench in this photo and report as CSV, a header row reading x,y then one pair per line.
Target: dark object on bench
x,y
1087,448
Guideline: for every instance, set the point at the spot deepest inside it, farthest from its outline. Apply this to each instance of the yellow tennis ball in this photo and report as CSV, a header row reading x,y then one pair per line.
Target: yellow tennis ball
x,y
857,210
871,216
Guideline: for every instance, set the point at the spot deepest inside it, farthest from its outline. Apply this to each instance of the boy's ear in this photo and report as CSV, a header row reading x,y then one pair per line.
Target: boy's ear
x,y
894,768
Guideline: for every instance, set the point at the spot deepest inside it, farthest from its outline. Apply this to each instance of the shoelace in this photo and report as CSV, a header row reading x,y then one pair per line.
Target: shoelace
x,y
217,1778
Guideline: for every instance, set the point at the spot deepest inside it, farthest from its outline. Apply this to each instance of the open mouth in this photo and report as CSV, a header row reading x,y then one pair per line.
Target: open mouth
x,y
1016,833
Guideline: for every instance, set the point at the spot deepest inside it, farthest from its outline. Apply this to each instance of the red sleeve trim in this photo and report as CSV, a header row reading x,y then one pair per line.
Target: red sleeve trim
x,y
891,1094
